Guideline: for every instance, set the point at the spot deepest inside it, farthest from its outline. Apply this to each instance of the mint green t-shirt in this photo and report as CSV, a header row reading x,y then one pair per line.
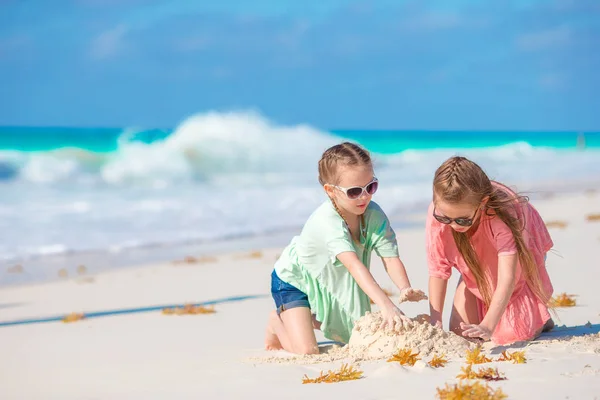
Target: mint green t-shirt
x,y
309,263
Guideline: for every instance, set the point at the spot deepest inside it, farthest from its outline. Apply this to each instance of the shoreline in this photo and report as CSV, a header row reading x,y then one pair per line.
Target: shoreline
x,y
60,267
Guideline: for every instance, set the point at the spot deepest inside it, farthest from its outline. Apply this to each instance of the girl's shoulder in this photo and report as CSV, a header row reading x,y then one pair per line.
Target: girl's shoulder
x,y
374,214
521,206
501,186
374,209
324,216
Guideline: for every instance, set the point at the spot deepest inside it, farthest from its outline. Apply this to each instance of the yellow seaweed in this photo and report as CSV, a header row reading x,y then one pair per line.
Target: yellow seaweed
x,y
563,300
593,217
189,309
556,224
405,357
517,357
475,357
438,361
470,391
346,373
487,374
73,317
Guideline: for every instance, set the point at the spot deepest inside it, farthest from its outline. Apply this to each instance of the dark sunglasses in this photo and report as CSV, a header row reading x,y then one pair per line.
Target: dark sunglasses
x,y
459,221
355,192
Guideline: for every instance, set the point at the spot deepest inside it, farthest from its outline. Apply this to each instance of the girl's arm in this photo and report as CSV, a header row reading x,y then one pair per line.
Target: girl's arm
x,y
365,279
507,267
397,272
437,296
395,269
367,283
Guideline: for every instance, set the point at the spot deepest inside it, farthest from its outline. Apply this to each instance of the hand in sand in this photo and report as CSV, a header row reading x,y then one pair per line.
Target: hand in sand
x,y
410,294
436,323
395,319
474,331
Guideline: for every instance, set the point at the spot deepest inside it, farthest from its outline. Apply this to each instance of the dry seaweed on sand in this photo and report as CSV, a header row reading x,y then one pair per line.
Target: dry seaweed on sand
x,y
189,309
593,217
475,357
256,254
438,361
196,260
556,224
16,269
487,374
73,317
563,300
404,357
470,391
346,373
517,357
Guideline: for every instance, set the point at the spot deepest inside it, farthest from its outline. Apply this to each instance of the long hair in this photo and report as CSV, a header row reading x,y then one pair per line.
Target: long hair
x,y
458,181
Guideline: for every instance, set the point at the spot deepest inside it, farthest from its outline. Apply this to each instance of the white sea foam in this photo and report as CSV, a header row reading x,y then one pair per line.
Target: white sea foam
x,y
217,176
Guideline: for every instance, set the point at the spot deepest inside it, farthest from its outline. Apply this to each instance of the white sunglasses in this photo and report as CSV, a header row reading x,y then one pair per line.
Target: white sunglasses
x,y
355,192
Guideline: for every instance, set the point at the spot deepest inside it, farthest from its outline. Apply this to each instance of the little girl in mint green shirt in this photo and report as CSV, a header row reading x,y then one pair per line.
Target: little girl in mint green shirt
x,y
322,279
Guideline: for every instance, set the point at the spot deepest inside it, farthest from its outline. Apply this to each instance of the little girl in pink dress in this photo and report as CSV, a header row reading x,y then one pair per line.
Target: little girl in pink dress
x,y
498,242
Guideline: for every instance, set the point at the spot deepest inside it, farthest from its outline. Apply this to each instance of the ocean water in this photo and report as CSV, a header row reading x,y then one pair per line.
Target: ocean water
x,y
219,176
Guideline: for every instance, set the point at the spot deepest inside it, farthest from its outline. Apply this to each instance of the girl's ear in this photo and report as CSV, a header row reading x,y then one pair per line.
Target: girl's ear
x,y
330,190
485,200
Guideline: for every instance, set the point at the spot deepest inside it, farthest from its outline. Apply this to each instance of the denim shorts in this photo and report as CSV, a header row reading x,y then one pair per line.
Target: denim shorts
x,y
286,296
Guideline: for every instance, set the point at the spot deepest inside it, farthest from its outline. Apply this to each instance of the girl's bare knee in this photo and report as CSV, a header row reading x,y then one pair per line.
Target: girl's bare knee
x,y
306,349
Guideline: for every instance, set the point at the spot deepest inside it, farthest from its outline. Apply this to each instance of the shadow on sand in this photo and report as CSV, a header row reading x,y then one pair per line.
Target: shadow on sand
x,y
11,305
558,333
327,345
563,332
106,313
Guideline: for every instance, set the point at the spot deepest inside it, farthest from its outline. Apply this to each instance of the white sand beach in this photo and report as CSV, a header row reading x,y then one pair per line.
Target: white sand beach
x,y
150,355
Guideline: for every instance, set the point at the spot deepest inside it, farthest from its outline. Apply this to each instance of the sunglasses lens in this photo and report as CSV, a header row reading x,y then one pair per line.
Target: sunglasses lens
x,y
354,193
372,187
463,221
443,220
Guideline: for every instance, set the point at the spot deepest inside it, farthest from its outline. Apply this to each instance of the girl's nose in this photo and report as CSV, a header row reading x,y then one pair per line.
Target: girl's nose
x,y
457,227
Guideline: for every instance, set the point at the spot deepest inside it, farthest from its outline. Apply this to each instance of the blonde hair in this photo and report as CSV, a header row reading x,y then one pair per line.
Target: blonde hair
x,y
458,181
341,155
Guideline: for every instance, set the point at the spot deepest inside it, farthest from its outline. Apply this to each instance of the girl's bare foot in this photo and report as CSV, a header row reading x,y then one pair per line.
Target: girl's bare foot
x,y
271,340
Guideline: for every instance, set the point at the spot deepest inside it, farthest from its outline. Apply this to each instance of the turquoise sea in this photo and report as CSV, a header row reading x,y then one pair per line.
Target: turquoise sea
x,y
385,142
219,176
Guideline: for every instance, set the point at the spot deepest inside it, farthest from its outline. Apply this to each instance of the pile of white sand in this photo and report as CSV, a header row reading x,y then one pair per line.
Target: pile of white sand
x,y
369,342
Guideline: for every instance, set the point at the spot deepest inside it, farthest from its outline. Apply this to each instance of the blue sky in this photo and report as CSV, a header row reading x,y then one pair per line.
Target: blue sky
x,y
530,65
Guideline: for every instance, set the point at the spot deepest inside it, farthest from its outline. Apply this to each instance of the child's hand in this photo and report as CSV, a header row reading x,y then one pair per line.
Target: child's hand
x,y
472,330
436,323
395,319
410,294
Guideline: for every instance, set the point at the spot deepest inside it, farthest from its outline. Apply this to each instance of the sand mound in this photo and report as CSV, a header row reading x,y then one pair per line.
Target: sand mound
x,y
370,342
